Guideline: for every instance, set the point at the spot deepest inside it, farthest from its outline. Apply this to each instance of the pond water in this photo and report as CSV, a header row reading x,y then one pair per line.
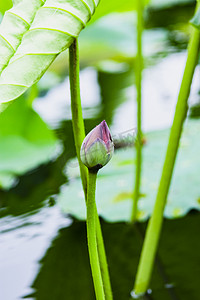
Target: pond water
x,y
43,252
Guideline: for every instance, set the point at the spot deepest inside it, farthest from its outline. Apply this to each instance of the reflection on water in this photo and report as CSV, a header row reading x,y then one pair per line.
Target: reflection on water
x,y
23,241
65,272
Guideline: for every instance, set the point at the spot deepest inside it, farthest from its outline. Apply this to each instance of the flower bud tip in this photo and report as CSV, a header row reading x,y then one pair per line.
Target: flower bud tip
x,y
97,147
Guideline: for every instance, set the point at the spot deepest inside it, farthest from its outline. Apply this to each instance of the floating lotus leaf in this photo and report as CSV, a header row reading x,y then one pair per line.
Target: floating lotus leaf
x,y
25,142
115,181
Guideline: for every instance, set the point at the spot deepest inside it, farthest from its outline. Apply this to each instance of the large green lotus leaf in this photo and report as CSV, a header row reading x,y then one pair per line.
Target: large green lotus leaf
x,y
14,25
115,181
32,34
111,38
15,2
25,142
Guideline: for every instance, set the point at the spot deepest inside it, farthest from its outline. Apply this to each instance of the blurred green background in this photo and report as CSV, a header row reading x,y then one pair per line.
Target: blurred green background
x,y
43,248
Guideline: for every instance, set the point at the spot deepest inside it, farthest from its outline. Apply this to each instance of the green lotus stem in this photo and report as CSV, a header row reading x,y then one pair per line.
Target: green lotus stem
x,y
91,235
79,135
154,226
139,62
103,261
76,108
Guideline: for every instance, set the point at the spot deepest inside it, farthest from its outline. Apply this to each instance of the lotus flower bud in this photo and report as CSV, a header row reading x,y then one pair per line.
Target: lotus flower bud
x,y
97,147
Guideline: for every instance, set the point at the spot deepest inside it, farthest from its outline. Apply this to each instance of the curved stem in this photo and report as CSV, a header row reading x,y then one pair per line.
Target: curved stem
x,y
139,62
154,226
79,135
91,234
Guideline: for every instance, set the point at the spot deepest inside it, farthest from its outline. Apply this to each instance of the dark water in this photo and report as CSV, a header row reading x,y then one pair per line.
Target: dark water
x,y
43,253
55,265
